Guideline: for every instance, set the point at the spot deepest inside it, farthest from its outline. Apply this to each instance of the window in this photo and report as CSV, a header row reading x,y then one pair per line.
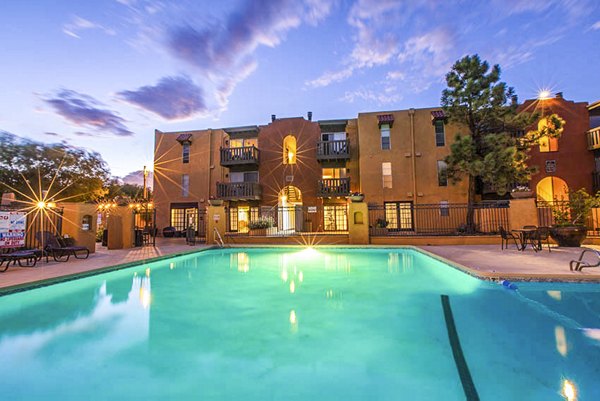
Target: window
x,y
440,137
333,136
444,208
185,185
182,218
398,216
386,172
334,173
336,218
289,150
186,152
442,173
546,144
385,136
248,176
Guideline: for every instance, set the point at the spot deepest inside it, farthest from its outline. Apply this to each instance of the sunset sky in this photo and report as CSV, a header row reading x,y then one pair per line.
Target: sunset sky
x,y
104,74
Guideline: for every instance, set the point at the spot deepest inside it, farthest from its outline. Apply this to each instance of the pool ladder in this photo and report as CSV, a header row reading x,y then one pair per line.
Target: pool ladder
x,y
218,238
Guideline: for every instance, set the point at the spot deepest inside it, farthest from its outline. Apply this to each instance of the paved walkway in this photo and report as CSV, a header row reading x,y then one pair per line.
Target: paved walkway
x,y
488,261
485,261
103,258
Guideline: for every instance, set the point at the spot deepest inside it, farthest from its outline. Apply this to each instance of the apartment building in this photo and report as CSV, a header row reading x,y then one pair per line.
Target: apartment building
x,y
564,164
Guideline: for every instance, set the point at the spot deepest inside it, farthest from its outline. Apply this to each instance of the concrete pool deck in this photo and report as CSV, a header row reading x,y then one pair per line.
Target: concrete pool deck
x,y
484,261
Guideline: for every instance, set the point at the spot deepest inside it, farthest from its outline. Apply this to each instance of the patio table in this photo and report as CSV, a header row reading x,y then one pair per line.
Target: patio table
x,y
525,237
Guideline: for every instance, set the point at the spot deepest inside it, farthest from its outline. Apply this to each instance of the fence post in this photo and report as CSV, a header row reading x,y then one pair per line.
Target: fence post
x,y
358,223
215,218
522,212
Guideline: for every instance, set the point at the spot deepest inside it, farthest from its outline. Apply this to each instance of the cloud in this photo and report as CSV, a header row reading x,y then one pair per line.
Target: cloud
x,y
85,111
596,26
389,95
172,98
78,24
331,77
51,134
224,50
431,52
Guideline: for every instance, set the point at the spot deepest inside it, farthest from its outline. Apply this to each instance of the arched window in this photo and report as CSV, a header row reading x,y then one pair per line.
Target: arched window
x,y
289,150
552,188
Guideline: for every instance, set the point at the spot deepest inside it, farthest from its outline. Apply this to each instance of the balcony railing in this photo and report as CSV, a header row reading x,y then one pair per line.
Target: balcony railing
x,y
239,191
593,138
239,156
330,187
333,150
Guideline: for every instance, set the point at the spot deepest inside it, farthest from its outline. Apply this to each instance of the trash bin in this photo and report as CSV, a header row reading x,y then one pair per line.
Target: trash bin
x,y
138,238
190,236
105,237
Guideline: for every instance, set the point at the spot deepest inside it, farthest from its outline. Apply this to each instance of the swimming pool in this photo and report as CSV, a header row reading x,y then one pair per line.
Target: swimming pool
x,y
285,323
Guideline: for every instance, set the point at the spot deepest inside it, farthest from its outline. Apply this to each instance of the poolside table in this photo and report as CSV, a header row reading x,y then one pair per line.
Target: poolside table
x,y
525,237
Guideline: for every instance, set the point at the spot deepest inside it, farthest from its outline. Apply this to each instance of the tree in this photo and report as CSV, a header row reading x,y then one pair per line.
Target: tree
x,y
70,173
489,150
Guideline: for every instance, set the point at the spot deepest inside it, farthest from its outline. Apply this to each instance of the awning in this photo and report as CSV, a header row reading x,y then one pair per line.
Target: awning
x,y
184,138
386,119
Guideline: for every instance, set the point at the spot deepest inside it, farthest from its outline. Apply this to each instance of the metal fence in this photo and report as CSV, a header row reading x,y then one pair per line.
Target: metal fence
x,y
37,221
281,221
547,211
407,219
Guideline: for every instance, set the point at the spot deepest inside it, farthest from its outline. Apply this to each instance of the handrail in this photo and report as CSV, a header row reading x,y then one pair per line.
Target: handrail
x,y
218,238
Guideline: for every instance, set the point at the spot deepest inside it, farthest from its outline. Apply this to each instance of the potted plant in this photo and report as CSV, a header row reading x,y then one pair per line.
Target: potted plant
x,y
214,202
521,191
381,226
261,227
569,228
357,197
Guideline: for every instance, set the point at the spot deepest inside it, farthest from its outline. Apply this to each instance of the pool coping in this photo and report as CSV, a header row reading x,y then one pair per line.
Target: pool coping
x,y
482,275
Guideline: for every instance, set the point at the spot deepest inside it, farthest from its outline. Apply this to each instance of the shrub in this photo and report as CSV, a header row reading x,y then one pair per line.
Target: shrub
x,y
261,223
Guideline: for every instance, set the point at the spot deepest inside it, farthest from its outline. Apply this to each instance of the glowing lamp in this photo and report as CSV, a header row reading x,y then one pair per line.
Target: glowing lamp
x,y
544,94
41,205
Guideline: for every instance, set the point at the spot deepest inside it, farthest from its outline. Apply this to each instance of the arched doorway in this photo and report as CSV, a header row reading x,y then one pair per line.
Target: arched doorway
x,y
290,207
552,188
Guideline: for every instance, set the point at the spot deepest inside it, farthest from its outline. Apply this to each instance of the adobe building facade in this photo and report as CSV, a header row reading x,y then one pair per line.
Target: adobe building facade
x,y
301,172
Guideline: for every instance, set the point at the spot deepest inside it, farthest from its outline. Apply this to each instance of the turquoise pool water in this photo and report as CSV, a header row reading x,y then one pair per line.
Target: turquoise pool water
x,y
284,324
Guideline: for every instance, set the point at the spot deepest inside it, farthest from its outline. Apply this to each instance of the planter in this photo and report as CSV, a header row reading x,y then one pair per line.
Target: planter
x,y
215,202
521,194
357,198
262,232
569,236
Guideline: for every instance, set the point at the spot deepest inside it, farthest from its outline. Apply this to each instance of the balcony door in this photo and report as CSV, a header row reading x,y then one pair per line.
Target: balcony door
x,y
290,208
399,216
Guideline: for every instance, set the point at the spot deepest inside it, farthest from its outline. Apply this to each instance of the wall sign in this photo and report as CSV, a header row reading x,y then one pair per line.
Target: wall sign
x,y
312,209
13,226
289,178
551,166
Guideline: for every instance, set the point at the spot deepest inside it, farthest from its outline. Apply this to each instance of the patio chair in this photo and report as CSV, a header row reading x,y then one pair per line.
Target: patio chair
x,y
506,237
539,236
53,247
29,256
577,265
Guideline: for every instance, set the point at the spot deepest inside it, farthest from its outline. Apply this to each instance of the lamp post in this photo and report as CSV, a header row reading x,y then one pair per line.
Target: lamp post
x,y
145,177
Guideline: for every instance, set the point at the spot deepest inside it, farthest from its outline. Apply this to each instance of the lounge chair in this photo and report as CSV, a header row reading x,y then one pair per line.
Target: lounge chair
x,y
29,256
57,249
506,237
577,265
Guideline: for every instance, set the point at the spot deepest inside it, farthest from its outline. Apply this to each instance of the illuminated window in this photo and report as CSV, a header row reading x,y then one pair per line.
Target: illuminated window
x,y
335,218
185,185
547,144
334,173
386,172
440,136
442,173
385,136
289,150
398,216
186,152
182,218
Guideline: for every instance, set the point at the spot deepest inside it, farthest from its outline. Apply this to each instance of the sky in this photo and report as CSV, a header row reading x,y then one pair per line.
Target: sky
x,y
104,74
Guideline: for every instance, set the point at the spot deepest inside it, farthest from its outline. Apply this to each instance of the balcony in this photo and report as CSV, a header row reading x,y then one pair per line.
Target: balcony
x,y
333,150
331,187
244,156
236,191
593,138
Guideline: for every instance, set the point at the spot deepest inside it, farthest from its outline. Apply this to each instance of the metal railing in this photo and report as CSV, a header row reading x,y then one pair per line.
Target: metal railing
x,y
406,219
593,138
547,211
239,191
241,155
332,187
333,150
283,221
